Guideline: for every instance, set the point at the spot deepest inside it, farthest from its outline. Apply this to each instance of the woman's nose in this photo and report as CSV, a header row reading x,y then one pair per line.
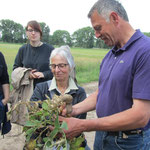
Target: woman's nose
x,y
57,68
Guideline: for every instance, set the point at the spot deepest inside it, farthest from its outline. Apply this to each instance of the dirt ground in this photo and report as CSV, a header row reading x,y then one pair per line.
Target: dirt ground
x,y
15,139
90,88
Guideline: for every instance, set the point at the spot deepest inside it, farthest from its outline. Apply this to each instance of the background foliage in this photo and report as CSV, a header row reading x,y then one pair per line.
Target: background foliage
x,y
87,60
13,32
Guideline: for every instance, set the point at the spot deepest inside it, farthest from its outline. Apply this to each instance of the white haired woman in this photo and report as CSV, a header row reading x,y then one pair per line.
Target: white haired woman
x,y
64,82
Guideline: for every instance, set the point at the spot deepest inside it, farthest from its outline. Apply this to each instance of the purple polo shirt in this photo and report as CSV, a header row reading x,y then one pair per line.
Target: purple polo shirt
x,y
124,76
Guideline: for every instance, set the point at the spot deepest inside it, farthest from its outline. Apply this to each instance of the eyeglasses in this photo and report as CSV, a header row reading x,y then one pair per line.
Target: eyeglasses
x,y
60,66
31,30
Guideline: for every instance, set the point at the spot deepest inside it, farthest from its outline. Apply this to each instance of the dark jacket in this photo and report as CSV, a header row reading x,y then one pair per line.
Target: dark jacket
x,y
4,78
5,125
35,58
41,90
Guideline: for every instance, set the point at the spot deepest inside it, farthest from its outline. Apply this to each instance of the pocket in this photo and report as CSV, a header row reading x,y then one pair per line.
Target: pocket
x,y
133,142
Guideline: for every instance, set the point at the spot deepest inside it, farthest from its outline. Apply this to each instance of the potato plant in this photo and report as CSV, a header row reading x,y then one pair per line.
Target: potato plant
x,y
42,115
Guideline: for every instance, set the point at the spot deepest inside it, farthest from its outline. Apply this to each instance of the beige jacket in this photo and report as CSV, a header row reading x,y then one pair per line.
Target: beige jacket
x,y
22,91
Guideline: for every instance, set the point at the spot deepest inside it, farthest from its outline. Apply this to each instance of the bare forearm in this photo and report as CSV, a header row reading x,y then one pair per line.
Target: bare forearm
x,y
113,123
136,117
132,118
6,93
87,105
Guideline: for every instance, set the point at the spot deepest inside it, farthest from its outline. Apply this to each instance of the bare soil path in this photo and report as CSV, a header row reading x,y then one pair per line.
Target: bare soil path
x,y
90,88
15,139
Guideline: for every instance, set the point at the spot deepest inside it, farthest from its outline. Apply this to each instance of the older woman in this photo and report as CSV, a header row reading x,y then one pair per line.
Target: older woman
x,y
35,54
63,82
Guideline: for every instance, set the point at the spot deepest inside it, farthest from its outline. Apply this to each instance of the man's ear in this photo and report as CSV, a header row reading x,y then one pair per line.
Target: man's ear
x,y
114,17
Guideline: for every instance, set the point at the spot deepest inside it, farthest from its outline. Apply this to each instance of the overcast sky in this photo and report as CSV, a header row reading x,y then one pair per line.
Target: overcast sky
x,y
69,15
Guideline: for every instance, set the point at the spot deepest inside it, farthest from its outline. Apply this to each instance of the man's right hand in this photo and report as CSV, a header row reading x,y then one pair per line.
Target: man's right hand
x,y
64,111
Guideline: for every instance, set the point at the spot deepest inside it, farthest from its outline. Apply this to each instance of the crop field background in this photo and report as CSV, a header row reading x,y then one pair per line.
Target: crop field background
x,y
87,61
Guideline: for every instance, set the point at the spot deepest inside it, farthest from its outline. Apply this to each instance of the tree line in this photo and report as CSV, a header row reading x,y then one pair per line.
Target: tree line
x,y
12,32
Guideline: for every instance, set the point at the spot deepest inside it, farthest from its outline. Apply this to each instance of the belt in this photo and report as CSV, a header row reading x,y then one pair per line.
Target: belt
x,y
125,134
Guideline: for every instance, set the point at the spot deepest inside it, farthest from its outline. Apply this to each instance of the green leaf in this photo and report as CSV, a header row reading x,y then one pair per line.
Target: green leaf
x,y
37,121
48,144
81,148
39,145
30,124
54,133
76,143
28,136
64,125
45,106
46,114
57,125
45,139
30,131
39,113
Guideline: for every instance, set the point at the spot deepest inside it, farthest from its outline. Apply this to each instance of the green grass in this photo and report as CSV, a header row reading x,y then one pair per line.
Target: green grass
x,y
87,61
9,51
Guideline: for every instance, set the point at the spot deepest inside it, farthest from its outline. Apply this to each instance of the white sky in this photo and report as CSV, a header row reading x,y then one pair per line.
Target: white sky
x,y
69,15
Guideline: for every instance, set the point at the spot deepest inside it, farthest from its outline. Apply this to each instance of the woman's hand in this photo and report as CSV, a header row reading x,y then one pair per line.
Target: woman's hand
x,y
36,75
4,101
6,93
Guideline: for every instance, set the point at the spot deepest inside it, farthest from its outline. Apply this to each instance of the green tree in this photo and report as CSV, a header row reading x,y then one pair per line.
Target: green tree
x,y
100,44
147,33
11,31
46,32
6,28
61,37
83,37
19,35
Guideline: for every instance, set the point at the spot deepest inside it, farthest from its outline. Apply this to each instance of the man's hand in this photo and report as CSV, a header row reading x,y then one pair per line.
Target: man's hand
x,y
75,126
64,111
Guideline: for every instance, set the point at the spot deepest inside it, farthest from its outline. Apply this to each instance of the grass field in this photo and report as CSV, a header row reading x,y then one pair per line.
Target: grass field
x,y
87,61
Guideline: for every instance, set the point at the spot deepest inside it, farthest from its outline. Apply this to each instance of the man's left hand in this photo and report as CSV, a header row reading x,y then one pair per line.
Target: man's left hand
x,y
74,127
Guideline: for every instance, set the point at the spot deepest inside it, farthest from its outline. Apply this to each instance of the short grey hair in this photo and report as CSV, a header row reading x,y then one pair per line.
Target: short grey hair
x,y
65,52
105,7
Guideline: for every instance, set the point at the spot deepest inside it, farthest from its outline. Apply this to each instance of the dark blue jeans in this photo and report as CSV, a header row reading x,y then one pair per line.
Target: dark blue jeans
x,y
2,109
103,141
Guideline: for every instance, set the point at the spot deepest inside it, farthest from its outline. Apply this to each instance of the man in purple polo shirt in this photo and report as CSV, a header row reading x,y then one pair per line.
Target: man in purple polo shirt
x,y
122,100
